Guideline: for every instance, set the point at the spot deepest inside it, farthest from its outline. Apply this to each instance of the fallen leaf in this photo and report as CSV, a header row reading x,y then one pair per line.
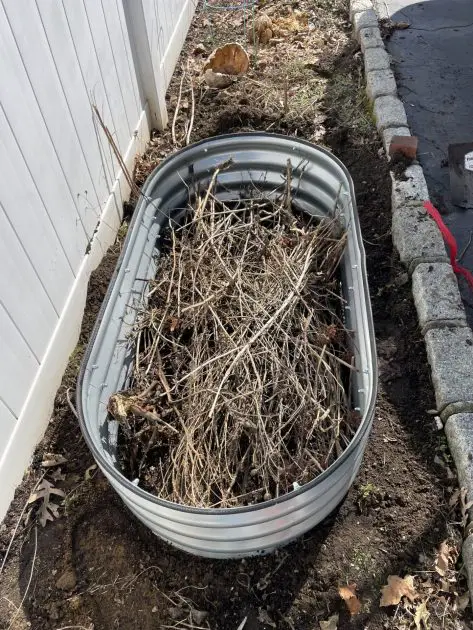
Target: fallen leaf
x,y
348,594
442,559
421,617
396,589
261,30
228,59
330,624
48,510
401,26
51,459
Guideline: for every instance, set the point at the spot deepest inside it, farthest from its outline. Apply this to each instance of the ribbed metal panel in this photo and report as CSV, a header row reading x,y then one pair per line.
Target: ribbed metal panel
x,y
319,181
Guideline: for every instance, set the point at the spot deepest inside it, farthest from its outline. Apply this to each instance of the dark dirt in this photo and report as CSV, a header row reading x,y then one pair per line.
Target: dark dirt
x,y
98,567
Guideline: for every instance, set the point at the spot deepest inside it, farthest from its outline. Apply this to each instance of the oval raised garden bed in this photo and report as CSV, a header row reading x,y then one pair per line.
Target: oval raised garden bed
x,y
320,184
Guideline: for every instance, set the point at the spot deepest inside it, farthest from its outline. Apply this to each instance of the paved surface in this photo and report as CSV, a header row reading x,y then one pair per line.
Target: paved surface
x,y
433,62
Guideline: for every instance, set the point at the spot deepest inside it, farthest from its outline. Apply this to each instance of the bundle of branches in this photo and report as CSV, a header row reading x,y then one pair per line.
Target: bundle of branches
x,y
242,366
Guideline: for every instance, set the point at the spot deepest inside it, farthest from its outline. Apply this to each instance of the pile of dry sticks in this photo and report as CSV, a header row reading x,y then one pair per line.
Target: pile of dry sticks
x,y
242,368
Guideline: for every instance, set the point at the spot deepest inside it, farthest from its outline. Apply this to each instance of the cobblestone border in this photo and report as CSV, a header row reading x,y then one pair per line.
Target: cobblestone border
x,y
442,319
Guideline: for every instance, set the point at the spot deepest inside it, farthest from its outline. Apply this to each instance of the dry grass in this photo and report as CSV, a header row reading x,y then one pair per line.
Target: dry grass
x,y
241,379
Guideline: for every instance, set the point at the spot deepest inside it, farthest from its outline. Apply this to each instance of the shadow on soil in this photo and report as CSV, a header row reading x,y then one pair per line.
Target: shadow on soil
x,y
99,566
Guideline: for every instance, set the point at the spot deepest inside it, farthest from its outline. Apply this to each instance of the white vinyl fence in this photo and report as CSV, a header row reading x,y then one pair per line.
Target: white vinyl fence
x,y
61,189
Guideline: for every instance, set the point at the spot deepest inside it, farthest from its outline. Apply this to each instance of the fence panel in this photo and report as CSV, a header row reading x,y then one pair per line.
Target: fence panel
x,y
62,190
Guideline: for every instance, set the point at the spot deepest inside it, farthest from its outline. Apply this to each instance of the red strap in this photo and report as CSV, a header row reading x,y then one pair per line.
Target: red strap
x,y
450,241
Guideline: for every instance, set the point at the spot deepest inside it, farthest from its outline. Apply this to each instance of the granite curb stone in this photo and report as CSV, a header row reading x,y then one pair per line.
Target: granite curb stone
x,y
380,83
450,354
437,297
412,188
376,59
370,38
357,6
415,236
364,19
389,112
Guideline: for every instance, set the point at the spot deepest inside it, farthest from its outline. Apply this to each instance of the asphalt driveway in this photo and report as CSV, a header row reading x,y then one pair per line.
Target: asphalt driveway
x,y
433,62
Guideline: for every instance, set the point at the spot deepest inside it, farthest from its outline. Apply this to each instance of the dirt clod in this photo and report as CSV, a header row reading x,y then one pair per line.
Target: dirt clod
x,y
67,581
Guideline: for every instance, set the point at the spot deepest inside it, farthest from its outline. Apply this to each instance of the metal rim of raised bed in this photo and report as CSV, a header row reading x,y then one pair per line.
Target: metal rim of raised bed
x,y
366,422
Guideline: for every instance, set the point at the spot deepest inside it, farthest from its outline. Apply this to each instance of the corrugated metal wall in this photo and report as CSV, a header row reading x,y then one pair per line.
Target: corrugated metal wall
x,y
59,178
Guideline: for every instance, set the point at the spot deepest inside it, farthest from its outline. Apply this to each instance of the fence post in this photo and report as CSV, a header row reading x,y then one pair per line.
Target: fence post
x,y
150,81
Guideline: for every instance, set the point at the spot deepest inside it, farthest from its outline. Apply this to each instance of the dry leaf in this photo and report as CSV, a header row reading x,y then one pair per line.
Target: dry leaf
x,y
174,324
421,616
261,30
401,26
348,594
396,589
330,624
443,558
51,459
48,511
229,59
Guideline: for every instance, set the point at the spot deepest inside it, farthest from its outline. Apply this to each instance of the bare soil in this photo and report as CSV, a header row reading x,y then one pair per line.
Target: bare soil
x,y
97,567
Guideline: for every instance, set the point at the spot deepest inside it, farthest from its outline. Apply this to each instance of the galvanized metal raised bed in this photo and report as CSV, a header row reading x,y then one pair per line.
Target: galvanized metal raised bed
x,y
319,182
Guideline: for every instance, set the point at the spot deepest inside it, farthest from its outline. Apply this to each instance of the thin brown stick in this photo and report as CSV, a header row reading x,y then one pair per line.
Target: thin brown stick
x,y
126,172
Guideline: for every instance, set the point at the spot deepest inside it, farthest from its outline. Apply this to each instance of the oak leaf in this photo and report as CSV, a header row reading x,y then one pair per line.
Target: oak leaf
x,y
421,617
48,510
396,589
231,59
